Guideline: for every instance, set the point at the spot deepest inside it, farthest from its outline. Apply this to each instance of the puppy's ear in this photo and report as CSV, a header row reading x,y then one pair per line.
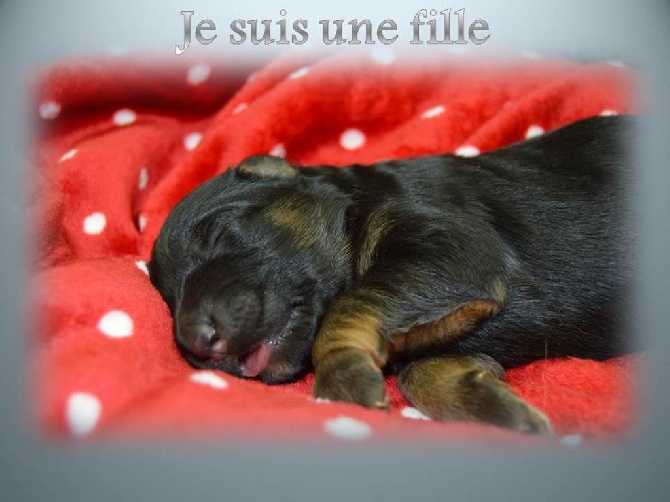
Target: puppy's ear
x,y
266,166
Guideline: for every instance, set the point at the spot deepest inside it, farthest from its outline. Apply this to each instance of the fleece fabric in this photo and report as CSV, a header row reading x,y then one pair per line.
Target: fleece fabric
x,y
118,143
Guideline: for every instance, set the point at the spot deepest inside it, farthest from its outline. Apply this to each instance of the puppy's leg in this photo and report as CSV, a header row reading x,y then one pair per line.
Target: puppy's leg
x,y
469,388
349,353
422,282
364,327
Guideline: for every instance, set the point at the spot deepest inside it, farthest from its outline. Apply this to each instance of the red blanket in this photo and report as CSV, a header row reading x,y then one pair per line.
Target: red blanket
x,y
119,144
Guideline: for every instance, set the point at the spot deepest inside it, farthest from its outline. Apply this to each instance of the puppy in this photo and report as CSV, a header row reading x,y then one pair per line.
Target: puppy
x,y
443,269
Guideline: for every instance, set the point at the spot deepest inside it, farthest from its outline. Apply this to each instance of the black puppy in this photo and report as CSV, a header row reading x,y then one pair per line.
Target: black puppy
x,y
444,269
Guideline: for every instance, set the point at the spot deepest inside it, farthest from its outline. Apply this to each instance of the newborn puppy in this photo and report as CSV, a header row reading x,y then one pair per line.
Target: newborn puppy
x,y
443,269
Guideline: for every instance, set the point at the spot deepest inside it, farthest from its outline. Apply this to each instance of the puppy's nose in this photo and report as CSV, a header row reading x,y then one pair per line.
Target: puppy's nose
x,y
212,324
206,341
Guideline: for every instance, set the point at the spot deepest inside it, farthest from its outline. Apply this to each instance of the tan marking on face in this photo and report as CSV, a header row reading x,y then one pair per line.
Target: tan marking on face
x,y
298,218
499,291
376,226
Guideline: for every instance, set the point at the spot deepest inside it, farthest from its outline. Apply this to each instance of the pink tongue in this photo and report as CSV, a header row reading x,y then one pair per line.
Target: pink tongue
x,y
257,361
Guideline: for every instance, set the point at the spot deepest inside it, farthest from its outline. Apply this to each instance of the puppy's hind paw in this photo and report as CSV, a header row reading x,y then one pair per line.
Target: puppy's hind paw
x,y
533,421
496,403
469,388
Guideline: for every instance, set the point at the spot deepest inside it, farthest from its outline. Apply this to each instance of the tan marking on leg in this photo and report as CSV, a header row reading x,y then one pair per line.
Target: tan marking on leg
x,y
343,329
469,388
435,387
351,375
448,328
348,355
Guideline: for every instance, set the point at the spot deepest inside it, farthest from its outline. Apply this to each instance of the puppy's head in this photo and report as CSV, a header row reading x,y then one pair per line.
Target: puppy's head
x,y
248,263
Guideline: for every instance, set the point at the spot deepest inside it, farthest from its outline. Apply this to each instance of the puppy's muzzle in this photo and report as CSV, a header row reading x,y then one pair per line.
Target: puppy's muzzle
x,y
218,324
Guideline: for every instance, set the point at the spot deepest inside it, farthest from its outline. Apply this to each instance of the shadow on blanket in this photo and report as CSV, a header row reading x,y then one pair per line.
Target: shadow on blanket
x,y
118,145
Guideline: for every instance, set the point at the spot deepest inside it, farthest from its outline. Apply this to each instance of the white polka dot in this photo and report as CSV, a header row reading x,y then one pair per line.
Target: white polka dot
x,y
192,140
251,77
239,108
142,265
279,150
433,112
534,131
116,324
352,139
618,64
608,112
124,117
467,151
382,54
141,222
409,412
322,400
49,110
68,155
530,54
209,378
82,413
95,223
300,72
198,74
143,178
347,428
571,440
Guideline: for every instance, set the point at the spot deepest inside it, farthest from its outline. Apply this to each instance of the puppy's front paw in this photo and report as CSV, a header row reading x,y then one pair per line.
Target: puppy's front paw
x,y
351,376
